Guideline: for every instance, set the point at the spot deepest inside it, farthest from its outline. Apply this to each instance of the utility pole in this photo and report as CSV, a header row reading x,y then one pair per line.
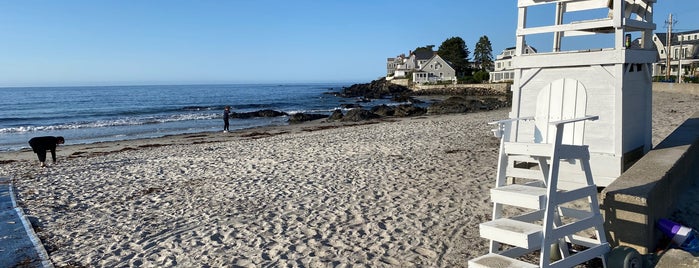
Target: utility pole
x,y
668,46
679,60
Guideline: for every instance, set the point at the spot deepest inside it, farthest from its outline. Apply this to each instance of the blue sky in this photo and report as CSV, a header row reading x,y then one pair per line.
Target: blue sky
x,y
109,42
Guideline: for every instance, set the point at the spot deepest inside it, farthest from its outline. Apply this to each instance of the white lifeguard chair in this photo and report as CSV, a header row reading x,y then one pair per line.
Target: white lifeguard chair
x,y
550,217
546,142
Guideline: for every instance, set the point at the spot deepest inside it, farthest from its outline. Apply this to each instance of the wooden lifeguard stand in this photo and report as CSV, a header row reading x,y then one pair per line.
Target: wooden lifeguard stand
x,y
618,80
611,86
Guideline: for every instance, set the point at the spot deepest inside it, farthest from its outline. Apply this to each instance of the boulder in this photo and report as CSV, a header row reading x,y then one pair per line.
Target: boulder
x,y
301,117
260,113
374,90
356,115
405,110
383,110
454,105
336,115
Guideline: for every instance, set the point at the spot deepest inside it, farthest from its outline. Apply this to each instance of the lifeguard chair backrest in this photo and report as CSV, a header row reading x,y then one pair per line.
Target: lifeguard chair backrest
x,y
560,100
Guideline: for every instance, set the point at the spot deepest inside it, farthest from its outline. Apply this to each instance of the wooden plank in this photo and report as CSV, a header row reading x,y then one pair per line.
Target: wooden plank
x,y
577,3
524,173
520,195
576,26
512,232
589,191
586,5
575,213
531,149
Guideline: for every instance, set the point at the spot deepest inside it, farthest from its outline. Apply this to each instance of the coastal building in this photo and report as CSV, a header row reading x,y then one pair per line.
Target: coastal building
x,y
682,54
435,70
423,66
503,70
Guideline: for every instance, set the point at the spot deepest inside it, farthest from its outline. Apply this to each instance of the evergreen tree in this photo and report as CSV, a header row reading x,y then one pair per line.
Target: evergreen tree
x,y
483,54
455,51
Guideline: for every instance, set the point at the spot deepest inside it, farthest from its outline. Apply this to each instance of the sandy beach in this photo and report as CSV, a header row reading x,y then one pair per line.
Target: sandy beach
x,y
395,193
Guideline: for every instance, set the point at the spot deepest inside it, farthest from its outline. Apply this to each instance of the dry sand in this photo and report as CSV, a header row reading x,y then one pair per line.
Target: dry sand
x,y
404,192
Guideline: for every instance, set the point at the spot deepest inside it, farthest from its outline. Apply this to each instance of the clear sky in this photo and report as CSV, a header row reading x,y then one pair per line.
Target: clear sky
x,y
117,42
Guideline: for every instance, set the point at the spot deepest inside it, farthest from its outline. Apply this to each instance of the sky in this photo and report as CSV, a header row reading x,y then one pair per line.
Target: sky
x,y
135,42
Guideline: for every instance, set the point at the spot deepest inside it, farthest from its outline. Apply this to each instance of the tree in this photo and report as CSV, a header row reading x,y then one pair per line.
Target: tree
x,y
455,51
483,54
427,48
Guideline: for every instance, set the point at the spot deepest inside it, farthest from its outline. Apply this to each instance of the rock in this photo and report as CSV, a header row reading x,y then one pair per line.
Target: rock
x,y
374,90
383,110
405,110
260,113
336,115
454,105
270,113
301,117
356,115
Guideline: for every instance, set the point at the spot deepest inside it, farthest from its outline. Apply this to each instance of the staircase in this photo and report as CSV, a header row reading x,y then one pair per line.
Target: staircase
x,y
548,219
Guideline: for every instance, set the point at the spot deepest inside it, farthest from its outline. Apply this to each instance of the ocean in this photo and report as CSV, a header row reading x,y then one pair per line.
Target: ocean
x,y
90,114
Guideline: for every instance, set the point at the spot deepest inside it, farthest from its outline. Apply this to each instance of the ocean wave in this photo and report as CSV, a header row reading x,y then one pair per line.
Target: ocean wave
x,y
113,123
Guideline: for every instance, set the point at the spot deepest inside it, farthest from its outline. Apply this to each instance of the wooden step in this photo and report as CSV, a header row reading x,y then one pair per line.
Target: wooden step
x,y
493,260
520,195
512,232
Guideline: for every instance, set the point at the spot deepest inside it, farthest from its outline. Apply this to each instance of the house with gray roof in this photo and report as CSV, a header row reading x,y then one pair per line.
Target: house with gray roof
x,y
502,67
682,54
435,70
422,66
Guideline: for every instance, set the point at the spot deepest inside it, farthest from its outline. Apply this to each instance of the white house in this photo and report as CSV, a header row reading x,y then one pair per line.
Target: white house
x,y
435,70
683,54
503,70
424,65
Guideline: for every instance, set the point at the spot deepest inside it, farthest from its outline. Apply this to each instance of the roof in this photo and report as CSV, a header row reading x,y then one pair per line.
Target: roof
x,y
424,54
663,38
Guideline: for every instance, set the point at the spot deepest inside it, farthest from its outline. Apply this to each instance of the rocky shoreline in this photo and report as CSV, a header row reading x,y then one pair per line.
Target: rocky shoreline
x,y
453,101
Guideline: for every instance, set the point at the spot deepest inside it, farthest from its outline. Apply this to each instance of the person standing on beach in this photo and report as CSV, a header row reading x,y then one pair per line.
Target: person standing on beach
x,y
226,112
42,144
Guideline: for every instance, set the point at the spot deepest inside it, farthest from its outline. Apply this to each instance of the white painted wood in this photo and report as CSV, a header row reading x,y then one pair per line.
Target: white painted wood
x,y
520,195
560,104
586,5
517,233
578,26
573,158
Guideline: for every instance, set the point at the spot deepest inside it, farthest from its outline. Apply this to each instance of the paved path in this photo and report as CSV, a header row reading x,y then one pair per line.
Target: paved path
x,y
19,245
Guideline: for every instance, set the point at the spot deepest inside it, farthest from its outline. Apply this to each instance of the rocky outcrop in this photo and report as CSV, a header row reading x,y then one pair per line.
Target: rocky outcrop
x,y
301,117
356,115
403,110
383,110
336,115
377,89
260,113
458,104
406,110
